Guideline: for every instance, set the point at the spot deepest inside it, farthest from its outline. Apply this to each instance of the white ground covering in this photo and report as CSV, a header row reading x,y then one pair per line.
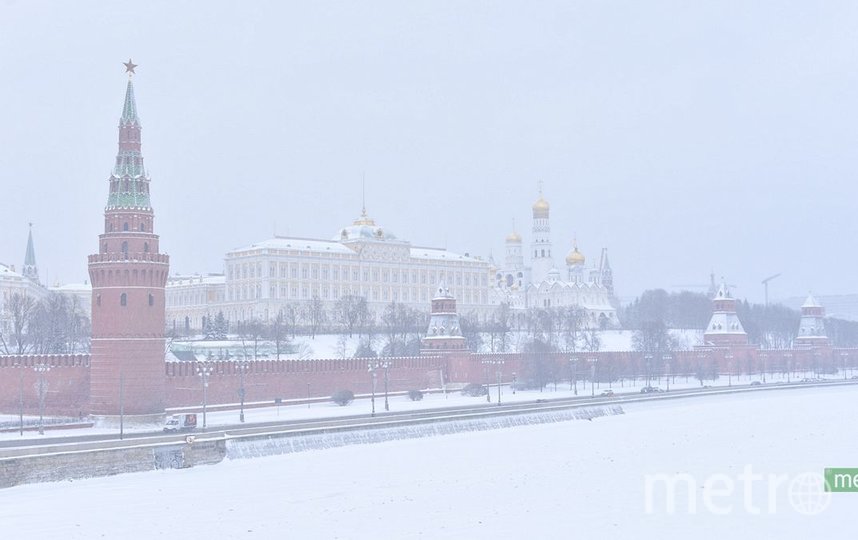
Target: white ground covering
x,y
568,480
337,346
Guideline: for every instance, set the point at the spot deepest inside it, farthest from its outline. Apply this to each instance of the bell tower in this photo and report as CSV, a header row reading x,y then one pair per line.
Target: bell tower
x,y
128,275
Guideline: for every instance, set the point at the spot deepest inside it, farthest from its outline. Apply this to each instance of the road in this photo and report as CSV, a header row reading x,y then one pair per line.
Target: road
x,y
23,447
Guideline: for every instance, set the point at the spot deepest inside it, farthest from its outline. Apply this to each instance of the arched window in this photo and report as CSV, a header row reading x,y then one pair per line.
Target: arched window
x,y
146,247
142,227
123,299
125,226
98,300
125,248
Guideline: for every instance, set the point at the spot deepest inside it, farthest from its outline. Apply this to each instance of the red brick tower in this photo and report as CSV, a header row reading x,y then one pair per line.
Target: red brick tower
x,y
128,276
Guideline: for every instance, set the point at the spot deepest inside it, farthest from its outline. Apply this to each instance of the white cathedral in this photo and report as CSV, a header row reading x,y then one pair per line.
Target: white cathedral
x,y
543,285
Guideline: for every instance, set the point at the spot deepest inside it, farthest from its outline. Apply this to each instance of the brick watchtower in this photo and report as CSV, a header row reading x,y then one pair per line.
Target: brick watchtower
x,y
128,276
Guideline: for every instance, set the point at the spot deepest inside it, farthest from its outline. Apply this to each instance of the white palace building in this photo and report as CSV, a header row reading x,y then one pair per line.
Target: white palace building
x,y
364,259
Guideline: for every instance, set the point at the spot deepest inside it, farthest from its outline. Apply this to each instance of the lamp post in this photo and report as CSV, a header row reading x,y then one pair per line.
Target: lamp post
x,y
816,357
513,382
242,366
667,371
788,359
573,381
121,404
20,367
592,376
42,369
386,366
371,368
729,358
647,365
498,373
763,358
843,356
308,395
204,370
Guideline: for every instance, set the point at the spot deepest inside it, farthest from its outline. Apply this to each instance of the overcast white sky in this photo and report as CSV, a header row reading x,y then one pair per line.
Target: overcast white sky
x,y
683,136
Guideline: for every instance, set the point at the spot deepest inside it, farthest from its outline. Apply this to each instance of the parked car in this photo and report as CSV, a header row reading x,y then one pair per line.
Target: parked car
x,y
651,390
607,393
756,383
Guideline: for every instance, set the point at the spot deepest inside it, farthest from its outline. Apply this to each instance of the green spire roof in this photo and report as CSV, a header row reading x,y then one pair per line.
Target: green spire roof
x,y
30,257
129,110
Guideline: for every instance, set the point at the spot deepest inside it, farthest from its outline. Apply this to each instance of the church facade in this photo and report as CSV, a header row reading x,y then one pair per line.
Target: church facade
x,y
541,284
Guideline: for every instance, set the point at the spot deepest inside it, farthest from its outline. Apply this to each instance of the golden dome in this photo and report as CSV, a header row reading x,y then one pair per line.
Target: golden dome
x,y
540,208
364,219
574,257
513,237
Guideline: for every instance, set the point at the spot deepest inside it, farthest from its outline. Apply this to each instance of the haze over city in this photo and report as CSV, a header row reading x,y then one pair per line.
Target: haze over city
x,y
681,136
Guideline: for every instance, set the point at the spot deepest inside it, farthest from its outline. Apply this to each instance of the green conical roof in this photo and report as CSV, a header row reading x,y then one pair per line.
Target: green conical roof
x,y
129,110
30,257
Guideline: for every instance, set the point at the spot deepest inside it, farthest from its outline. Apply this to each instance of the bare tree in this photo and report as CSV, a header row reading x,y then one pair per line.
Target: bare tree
x,y
316,315
347,312
19,310
278,332
250,332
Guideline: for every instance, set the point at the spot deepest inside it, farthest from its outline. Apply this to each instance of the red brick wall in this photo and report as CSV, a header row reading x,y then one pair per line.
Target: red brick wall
x,y
68,381
67,384
288,379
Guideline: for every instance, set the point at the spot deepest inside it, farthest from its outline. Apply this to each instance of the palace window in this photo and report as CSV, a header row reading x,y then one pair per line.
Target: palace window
x,y
123,299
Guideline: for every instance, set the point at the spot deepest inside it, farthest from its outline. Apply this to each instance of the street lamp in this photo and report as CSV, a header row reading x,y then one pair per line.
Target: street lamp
x,y
371,368
788,359
729,358
648,364
204,370
573,381
513,382
764,357
42,369
20,367
386,366
592,376
241,366
667,358
494,362
843,356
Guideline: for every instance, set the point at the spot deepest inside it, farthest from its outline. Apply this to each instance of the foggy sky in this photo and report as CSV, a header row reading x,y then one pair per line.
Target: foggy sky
x,y
683,136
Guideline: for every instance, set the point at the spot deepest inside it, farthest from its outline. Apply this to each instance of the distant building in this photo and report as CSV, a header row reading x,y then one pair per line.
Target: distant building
x,y
724,328
25,283
192,300
543,285
362,259
811,328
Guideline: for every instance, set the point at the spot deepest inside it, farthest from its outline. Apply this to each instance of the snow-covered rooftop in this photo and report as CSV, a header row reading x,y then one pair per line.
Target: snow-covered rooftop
x,y
304,244
439,255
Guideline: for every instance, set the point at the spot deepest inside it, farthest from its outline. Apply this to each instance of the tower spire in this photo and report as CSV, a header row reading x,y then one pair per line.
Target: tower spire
x,y
129,183
30,270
